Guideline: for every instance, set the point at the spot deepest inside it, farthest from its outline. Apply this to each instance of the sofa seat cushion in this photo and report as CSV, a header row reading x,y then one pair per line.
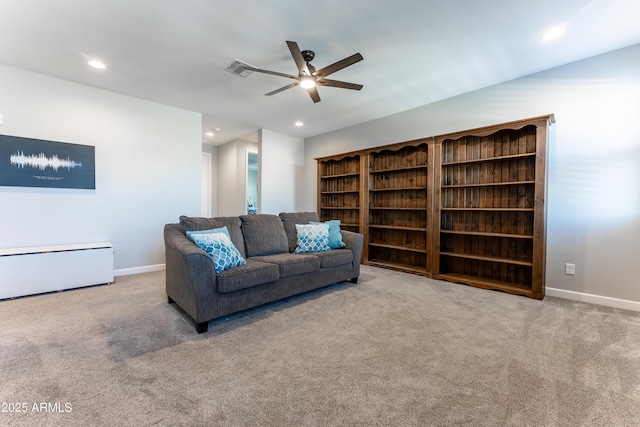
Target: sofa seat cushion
x,y
292,264
253,273
334,258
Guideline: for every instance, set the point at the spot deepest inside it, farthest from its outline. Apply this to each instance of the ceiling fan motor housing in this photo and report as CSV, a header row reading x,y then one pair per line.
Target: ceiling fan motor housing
x,y
308,55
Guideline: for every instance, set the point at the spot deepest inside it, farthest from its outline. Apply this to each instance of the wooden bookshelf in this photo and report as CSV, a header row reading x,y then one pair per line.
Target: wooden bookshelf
x,y
339,188
489,221
466,207
399,201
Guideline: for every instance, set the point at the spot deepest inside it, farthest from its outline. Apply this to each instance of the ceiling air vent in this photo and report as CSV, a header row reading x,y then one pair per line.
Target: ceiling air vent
x,y
239,68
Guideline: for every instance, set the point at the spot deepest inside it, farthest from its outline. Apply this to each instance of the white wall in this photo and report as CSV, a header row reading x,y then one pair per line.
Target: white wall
x,y
281,169
594,172
232,177
147,168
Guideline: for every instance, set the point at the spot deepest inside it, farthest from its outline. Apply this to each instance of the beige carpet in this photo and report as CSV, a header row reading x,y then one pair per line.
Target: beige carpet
x,y
394,350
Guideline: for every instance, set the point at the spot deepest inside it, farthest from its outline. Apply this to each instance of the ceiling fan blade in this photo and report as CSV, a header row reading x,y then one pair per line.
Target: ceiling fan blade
x,y
336,66
275,73
297,57
313,93
282,88
336,83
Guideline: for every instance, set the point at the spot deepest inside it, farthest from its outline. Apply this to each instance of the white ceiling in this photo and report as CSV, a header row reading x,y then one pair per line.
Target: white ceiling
x,y
415,51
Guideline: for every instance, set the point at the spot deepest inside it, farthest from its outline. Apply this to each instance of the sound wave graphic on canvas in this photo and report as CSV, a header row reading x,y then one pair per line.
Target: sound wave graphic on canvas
x,y
42,162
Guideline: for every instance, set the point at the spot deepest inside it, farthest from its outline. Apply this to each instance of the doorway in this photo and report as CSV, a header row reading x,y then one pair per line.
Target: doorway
x,y
251,195
206,185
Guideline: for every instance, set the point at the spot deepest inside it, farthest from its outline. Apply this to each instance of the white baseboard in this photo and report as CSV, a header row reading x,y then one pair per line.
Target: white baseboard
x,y
594,299
138,270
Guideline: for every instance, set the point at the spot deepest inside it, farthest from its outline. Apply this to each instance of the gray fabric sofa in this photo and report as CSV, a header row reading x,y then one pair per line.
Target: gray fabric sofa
x,y
272,271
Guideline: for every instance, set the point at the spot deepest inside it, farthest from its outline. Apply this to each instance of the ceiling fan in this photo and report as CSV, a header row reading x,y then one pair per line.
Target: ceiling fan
x,y
308,77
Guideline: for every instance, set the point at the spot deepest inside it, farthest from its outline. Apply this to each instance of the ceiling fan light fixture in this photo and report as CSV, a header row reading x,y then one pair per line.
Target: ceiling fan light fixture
x,y
307,82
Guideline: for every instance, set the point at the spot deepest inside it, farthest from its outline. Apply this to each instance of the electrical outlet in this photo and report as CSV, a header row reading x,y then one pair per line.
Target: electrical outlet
x,y
570,269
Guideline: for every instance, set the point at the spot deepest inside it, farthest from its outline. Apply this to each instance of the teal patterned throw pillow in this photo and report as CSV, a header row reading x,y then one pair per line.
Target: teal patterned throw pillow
x,y
312,238
219,247
224,230
335,237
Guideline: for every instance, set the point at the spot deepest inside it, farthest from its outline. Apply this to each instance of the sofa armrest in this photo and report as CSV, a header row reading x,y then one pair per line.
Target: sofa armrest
x,y
354,242
190,275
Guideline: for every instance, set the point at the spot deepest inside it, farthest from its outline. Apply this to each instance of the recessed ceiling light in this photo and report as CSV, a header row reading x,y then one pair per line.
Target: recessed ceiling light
x,y
97,64
552,34
299,123
216,129
209,133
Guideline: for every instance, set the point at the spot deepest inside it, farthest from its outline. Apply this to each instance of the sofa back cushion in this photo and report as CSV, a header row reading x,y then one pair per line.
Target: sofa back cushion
x,y
289,221
232,223
263,235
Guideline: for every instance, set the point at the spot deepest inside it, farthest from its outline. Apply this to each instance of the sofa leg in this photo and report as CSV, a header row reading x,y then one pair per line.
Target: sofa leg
x,y
354,279
202,327
171,301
